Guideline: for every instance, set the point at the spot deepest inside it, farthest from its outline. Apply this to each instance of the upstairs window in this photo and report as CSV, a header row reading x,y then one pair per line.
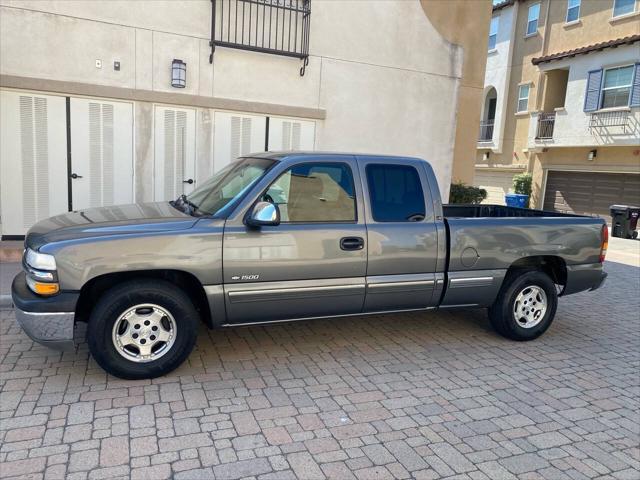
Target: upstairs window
x,y
623,7
493,32
523,98
532,19
573,10
616,87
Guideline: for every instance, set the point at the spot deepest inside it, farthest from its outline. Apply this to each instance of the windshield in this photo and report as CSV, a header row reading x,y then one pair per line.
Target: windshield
x,y
221,192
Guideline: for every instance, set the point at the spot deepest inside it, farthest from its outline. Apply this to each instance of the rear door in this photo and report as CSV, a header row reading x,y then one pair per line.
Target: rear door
x,y
312,264
402,238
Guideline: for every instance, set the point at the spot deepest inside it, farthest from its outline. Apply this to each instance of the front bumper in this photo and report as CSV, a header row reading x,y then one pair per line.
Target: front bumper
x,y
49,321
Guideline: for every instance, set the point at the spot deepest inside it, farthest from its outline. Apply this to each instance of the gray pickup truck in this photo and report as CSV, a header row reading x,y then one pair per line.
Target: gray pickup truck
x,y
289,236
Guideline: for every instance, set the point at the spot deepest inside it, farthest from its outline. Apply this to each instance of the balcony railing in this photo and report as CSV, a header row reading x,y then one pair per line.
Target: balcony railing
x,y
616,118
486,131
546,122
278,27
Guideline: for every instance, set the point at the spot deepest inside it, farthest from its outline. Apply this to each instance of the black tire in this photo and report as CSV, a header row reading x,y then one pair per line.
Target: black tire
x,y
501,312
118,300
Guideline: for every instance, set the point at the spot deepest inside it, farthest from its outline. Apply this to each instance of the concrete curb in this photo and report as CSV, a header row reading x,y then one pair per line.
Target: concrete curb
x,y
5,301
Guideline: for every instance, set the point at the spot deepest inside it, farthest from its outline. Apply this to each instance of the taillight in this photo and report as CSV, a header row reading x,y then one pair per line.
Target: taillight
x,y
605,243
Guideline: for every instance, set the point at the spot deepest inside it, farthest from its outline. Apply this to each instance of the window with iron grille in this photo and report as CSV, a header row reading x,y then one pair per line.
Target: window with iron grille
x,y
616,87
278,27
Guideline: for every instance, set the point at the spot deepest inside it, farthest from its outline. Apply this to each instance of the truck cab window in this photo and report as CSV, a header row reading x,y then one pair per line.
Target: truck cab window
x,y
318,192
395,193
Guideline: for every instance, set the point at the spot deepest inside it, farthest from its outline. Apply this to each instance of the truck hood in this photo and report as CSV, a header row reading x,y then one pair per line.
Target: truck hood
x,y
115,220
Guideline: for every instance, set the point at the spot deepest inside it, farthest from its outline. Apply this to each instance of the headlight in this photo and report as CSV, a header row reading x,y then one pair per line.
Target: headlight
x,y
40,261
41,273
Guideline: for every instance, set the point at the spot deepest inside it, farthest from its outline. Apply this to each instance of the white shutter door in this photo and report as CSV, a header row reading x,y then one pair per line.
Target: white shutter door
x,y
174,152
33,159
101,153
236,135
291,134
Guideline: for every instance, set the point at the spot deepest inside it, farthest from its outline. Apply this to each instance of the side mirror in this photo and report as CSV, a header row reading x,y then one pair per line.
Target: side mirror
x,y
264,214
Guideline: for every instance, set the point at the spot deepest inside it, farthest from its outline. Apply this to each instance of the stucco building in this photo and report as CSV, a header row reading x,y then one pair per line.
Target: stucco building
x,y
562,101
94,114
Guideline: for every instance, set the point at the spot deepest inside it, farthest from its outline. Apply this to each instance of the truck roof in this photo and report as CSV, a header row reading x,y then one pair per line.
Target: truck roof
x,y
288,154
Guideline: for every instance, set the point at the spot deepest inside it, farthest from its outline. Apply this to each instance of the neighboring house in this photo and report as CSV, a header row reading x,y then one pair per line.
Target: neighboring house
x,y
562,101
111,102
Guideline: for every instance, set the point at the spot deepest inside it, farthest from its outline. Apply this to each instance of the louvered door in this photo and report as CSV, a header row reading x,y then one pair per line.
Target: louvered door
x,y
291,134
174,152
33,159
236,135
101,153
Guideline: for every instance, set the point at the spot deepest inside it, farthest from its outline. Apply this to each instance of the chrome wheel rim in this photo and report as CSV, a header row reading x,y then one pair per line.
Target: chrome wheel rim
x,y
144,333
530,306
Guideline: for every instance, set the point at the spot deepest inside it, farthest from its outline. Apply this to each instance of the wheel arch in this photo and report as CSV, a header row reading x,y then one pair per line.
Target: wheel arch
x,y
187,282
555,267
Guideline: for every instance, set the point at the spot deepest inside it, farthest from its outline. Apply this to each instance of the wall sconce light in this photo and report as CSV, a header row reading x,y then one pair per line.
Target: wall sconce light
x,y
592,155
485,157
178,73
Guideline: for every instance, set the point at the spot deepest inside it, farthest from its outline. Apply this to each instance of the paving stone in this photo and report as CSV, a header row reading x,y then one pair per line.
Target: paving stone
x,y
406,396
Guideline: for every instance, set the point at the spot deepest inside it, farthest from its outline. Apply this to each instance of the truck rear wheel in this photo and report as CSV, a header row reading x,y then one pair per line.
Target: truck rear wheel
x,y
525,307
142,329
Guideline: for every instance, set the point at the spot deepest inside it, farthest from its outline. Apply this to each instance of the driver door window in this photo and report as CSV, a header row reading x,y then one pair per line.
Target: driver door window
x,y
315,193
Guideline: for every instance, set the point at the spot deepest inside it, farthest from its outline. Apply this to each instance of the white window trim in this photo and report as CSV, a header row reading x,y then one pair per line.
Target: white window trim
x,y
566,18
623,15
602,88
528,97
537,20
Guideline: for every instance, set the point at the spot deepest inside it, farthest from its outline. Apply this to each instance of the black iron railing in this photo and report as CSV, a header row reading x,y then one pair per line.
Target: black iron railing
x,y
615,118
546,122
278,27
486,131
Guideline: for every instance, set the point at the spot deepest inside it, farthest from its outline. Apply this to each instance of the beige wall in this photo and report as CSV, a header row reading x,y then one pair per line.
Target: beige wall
x,y
465,23
401,77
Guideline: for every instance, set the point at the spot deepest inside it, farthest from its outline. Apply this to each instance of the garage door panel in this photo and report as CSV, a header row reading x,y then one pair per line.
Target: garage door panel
x,y
497,185
590,193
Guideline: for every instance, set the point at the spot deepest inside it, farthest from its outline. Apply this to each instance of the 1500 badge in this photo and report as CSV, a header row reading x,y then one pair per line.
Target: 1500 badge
x,y
245,277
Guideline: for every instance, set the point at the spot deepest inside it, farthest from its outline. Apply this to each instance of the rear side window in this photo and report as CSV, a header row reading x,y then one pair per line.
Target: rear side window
x,y
395,193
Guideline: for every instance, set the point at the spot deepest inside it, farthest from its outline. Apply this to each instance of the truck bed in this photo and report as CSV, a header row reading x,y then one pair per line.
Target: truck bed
x,y
495,211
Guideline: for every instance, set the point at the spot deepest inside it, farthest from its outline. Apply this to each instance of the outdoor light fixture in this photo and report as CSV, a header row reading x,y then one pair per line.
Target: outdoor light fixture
x,y
178,73
592,155
485,157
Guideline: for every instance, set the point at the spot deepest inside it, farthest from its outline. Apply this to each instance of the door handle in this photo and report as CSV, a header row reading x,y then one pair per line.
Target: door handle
x,y
75,175
189,181
352,243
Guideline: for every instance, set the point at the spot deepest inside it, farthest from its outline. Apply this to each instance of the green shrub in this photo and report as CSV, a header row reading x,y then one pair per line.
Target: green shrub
x,y
522,185
463,193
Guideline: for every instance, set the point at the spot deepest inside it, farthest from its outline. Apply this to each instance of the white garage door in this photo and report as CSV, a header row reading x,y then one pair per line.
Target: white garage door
x,y
497,184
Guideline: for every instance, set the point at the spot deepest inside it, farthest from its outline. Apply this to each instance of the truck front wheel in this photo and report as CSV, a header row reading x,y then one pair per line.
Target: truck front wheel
x,y
142,329
525,307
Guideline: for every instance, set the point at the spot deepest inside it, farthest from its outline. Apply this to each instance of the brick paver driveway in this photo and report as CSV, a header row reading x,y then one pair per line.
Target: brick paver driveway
x,y
396,396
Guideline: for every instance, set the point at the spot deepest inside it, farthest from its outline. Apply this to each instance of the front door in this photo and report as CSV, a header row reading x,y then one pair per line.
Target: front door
x,y
312,264
101,153
402,236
